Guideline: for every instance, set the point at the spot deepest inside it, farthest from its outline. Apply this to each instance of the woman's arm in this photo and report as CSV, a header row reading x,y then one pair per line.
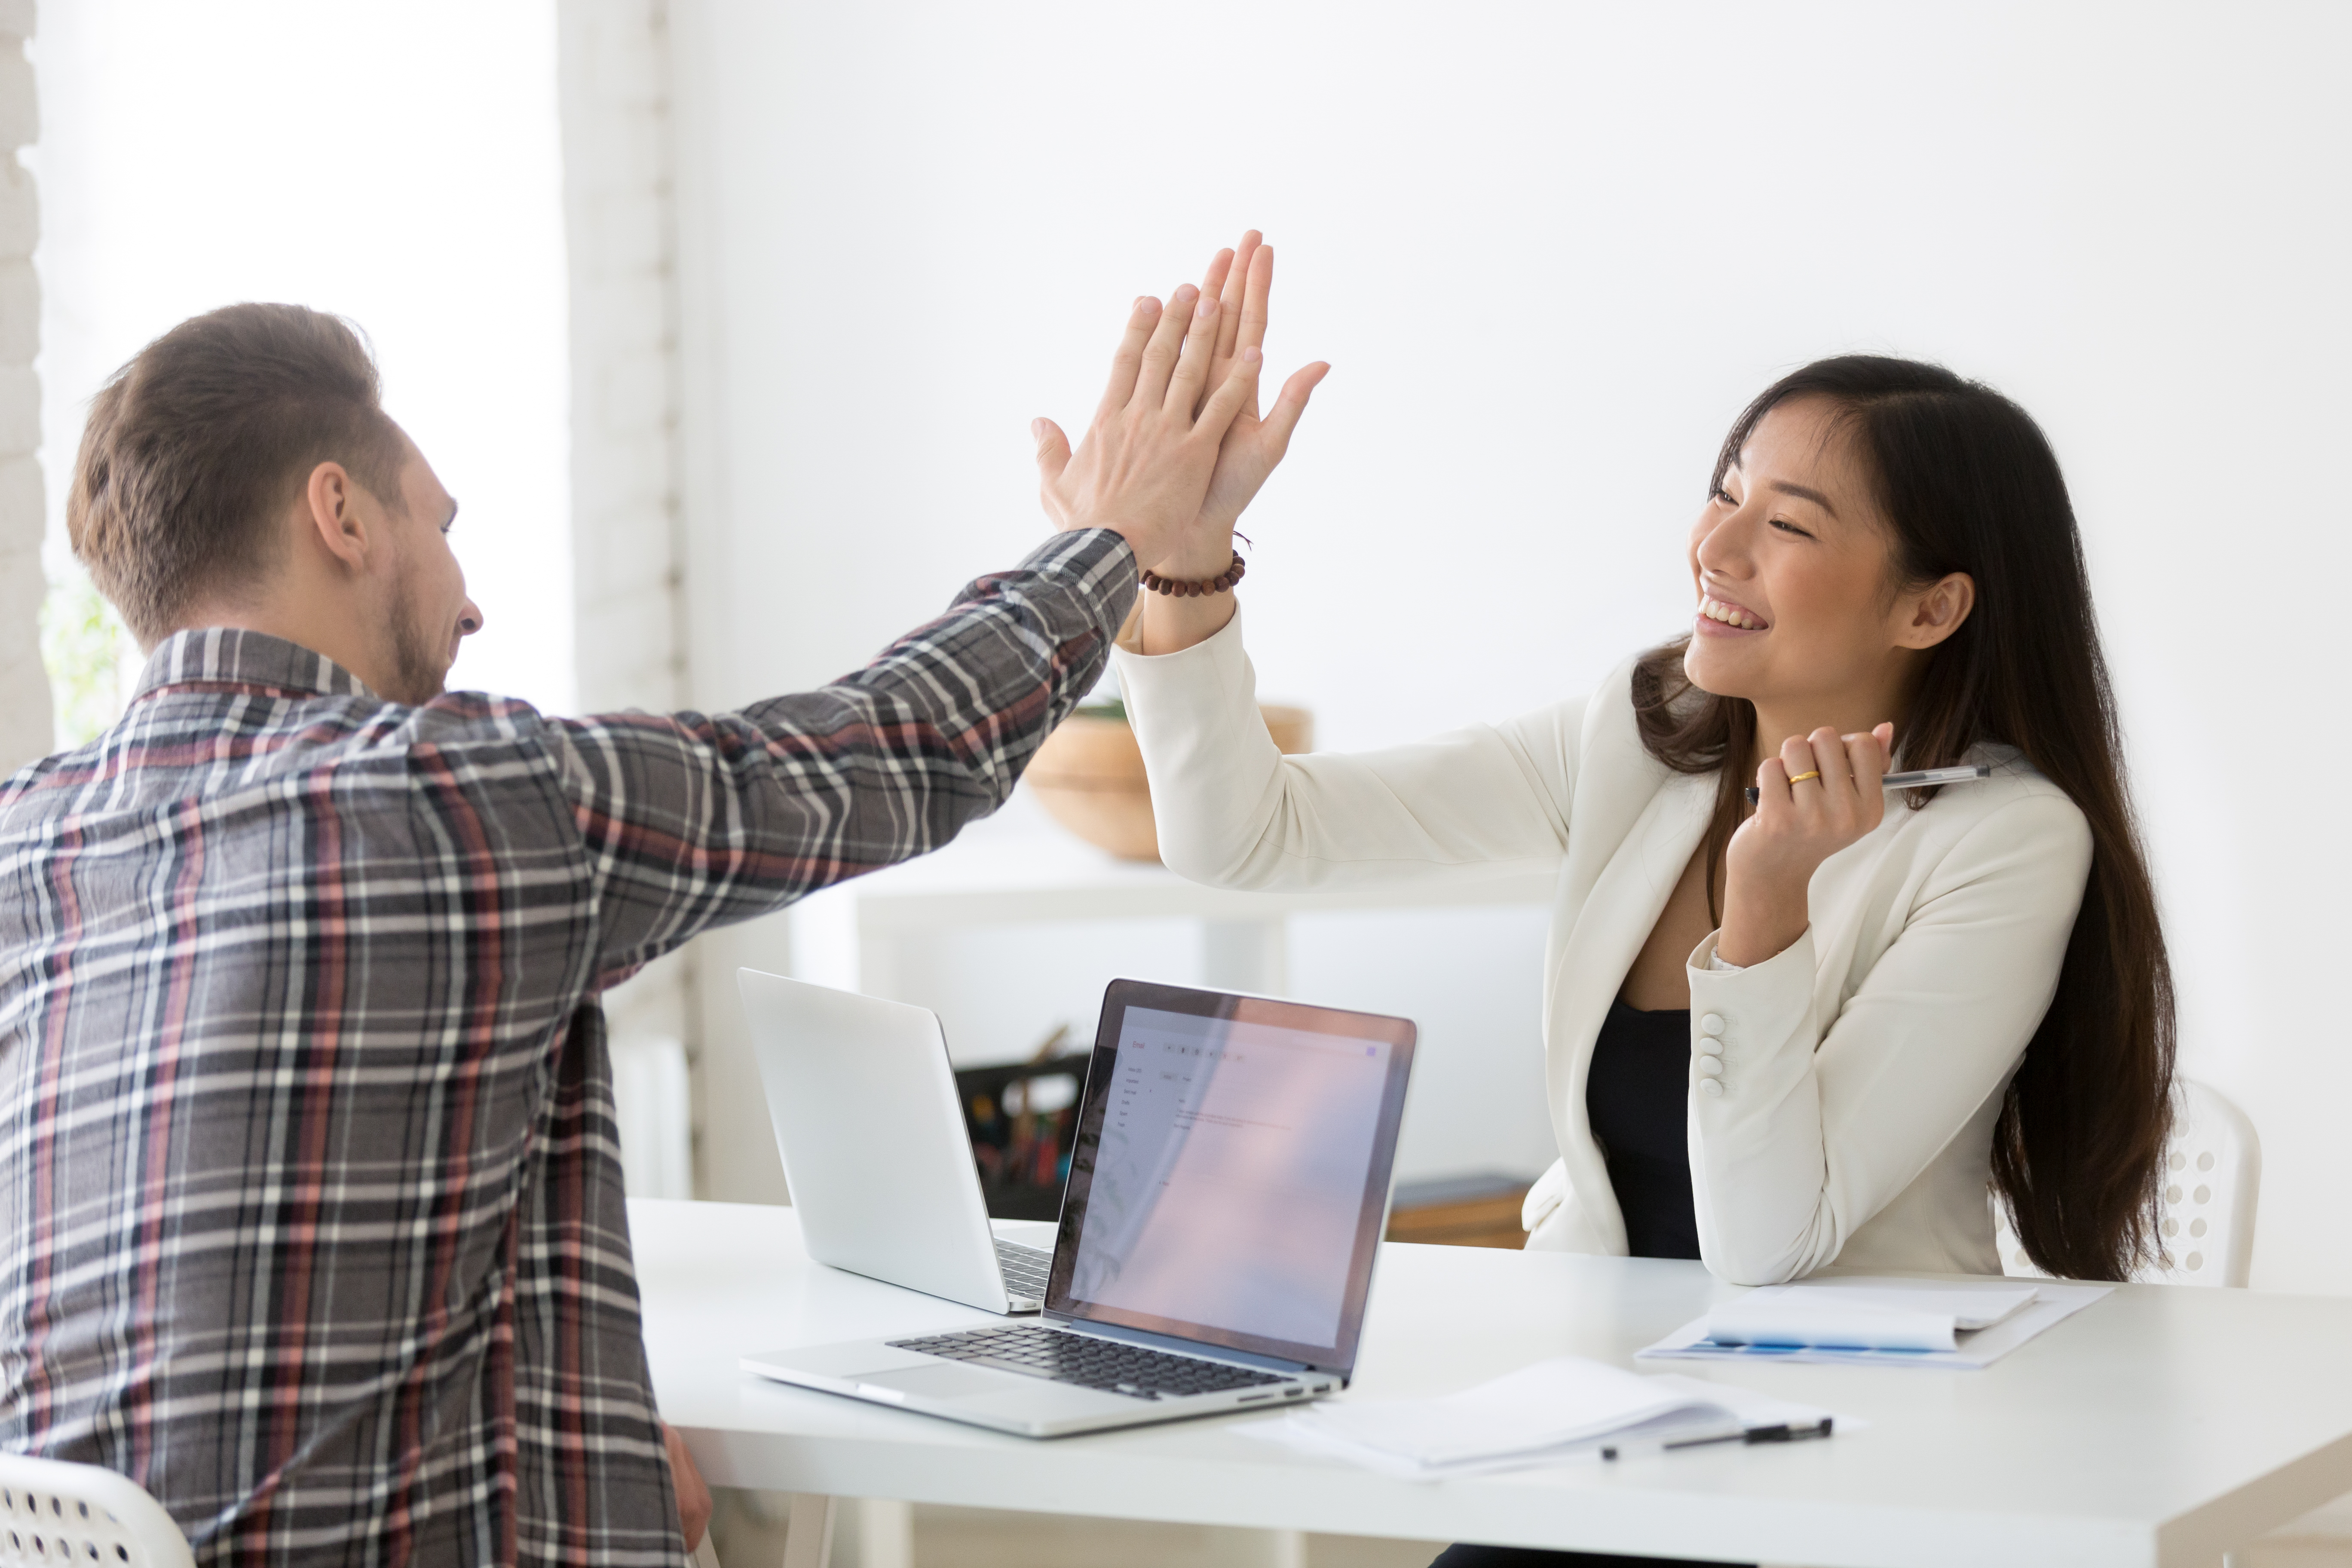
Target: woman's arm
x,y
1812,1130
1233,812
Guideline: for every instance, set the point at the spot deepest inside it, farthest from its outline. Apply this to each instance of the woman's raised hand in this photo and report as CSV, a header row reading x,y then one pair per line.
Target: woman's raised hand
x,y
1144,468
1819,795
1242,279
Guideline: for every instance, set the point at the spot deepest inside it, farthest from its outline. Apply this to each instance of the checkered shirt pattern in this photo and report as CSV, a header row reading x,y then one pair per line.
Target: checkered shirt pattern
x,y
312,1206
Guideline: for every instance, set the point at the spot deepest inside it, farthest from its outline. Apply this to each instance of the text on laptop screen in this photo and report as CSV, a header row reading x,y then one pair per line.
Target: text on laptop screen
x,y
1229,1185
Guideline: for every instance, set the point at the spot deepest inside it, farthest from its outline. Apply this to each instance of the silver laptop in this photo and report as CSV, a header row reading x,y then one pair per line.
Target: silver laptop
x,y
1225,1200
874,1149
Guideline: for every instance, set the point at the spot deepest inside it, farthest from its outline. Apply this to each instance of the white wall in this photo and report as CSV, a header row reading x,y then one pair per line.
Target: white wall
x,y
396,164
1550,250
25,717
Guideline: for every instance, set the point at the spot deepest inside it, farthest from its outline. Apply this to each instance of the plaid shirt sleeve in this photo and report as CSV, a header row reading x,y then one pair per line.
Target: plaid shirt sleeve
x,y
693,821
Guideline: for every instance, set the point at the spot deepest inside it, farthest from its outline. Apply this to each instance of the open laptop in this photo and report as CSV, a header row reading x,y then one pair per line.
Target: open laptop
x,y
874,1149
1225,1200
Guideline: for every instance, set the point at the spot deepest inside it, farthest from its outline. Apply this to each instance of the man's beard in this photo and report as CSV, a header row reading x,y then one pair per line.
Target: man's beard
x,y
415,658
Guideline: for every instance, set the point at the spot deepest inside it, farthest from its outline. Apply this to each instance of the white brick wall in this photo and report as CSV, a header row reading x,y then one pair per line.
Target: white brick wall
x,y
26,726
612,75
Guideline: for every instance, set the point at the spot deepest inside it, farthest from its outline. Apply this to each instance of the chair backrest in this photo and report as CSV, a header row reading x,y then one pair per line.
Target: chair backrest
x,y
53,1513
2212,1175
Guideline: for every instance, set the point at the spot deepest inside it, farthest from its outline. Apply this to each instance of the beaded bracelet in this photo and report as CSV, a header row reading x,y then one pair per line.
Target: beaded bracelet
x,y
1201,590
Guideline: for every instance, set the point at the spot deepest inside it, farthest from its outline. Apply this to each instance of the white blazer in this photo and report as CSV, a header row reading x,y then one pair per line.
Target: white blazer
x,y
1862,1069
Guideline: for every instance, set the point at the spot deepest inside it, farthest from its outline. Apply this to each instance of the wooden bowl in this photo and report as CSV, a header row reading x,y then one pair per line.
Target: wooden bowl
x,y
1089,775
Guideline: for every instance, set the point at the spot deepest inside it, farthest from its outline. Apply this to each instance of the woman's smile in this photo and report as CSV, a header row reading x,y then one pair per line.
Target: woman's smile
x,y
1722,617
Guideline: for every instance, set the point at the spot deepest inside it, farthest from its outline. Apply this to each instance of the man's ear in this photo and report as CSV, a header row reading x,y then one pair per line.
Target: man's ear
x,y
1936,612
330,500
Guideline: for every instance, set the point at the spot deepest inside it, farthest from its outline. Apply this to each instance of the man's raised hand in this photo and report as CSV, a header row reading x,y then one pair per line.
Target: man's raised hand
x,y
1144,468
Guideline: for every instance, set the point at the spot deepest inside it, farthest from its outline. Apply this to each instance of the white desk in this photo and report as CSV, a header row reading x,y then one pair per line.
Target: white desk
x,y
2163,1425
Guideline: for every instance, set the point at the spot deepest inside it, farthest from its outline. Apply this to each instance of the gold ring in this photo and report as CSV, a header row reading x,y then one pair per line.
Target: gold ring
x,y
1800,778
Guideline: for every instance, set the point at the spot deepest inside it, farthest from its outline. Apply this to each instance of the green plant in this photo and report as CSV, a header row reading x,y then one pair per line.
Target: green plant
x,y
85,646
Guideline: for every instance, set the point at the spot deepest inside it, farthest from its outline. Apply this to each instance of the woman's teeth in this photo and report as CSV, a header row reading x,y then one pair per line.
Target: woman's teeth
x,y
1729,615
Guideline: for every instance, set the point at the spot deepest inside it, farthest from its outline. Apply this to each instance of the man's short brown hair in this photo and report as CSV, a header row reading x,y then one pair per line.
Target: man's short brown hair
x,y
196,447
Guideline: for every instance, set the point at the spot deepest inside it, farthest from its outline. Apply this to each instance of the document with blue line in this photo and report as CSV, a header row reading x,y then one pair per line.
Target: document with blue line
x,y
1879,1320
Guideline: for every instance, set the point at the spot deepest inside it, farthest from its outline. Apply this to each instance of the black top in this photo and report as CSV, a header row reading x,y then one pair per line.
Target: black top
x,y
1636,1095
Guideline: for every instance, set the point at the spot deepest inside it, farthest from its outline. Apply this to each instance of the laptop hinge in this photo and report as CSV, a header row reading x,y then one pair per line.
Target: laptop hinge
x,y
1176,1346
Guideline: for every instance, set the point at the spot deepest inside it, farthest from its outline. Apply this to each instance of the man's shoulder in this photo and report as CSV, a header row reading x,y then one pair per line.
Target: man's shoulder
x,y
468,718
214,739
469,738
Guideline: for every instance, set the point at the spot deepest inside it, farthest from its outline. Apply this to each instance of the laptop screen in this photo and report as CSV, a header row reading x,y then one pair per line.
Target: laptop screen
x,y
1232,1171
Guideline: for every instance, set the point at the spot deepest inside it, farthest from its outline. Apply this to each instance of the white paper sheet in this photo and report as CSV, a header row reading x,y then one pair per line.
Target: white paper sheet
x,y
1553,1411
1838,1315
1885,1320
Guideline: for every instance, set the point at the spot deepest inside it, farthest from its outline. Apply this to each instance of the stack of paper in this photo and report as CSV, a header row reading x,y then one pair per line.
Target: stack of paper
x,y
1927,1322
1554,1410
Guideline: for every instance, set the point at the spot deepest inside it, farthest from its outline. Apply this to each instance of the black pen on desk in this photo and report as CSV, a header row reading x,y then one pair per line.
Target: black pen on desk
x,y
1925,778
1780,1432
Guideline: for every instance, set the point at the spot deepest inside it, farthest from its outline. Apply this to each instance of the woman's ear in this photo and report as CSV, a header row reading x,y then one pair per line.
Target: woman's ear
x,y
1934,612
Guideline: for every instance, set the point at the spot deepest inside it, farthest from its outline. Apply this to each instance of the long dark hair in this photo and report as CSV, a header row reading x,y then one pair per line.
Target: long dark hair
x,y
1969,483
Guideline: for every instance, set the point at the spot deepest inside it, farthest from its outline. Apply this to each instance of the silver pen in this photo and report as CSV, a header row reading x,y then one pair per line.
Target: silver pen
x,y
1922,778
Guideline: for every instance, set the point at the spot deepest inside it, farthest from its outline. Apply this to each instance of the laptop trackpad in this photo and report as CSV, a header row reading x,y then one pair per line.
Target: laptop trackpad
x,y
940,1380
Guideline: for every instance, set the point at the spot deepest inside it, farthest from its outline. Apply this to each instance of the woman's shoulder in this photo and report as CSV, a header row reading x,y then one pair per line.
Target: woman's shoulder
x,y
1573,735
1585,753
2018,808
2014,778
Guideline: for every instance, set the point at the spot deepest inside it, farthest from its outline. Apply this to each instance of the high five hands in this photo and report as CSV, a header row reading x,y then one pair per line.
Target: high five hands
x,y
1177,448
1819,795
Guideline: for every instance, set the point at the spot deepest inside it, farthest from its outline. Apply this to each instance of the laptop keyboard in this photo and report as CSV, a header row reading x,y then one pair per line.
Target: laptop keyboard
x,y
1025,1268
1088,1361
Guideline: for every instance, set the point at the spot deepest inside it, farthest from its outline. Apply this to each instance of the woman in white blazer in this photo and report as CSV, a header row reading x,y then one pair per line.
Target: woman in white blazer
x,y
1814,1031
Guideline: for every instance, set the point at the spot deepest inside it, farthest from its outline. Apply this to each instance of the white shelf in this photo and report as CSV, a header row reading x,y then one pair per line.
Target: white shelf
x,y
1020,867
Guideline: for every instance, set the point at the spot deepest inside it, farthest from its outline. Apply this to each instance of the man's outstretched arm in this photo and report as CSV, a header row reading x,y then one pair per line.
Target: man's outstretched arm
x,y
693,821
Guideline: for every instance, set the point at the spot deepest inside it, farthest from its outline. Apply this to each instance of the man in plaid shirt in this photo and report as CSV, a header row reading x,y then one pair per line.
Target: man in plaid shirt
x,y
313,1214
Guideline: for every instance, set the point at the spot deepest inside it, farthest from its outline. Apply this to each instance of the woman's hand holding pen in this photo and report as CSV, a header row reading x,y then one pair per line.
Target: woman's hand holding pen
x,y
1819,795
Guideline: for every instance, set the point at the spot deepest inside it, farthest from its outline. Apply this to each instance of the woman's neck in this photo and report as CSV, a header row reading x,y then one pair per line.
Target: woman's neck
x,y
1848,713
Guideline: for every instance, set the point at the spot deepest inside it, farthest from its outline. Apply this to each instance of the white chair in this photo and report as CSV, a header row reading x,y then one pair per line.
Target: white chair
x,y
52,1512
2213,1175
